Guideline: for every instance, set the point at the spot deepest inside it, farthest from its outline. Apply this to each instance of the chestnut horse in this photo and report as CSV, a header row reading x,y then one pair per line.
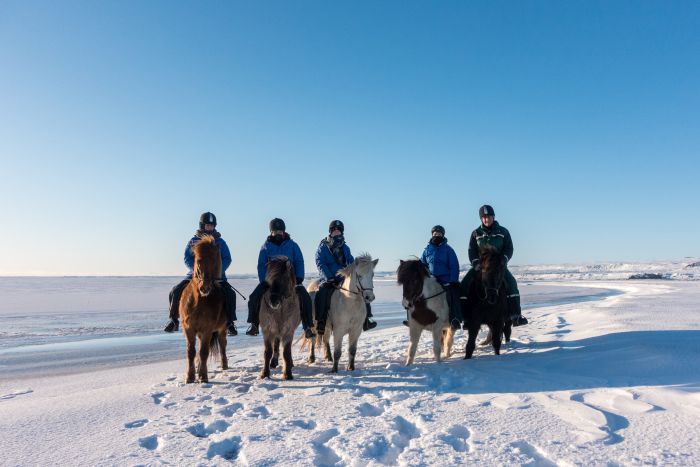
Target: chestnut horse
x,y
202,309
279,315
486,301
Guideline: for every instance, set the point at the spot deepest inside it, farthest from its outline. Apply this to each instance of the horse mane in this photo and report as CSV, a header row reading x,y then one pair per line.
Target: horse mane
x,y
360,261
207,243
488,254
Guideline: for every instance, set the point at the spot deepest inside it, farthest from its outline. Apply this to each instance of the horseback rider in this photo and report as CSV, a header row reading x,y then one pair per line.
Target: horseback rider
x,y
207,226
332,255
279,243
442,263
492,233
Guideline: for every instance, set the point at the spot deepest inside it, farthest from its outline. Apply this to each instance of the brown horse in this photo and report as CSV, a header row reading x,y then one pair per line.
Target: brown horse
x,y
279,315
202,309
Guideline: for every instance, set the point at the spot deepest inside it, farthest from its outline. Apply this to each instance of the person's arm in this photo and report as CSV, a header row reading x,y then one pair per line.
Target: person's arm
x,y
262,264
507,245
225,256
473,250
424,256
321,262
189,257
298,263
452,264
348,256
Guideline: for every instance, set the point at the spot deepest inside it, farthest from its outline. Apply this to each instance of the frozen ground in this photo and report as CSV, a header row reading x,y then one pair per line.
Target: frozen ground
x,y
606,373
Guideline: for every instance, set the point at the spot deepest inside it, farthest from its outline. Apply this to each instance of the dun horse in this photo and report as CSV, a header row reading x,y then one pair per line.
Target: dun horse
x,y
347,309
202,309
426,302
486,301
279,315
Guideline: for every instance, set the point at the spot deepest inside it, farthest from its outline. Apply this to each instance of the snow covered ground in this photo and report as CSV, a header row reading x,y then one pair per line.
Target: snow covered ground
x,y
607,372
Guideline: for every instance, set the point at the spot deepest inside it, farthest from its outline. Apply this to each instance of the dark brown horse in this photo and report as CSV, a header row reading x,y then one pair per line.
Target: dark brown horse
x,y
279,315
487,302
202,309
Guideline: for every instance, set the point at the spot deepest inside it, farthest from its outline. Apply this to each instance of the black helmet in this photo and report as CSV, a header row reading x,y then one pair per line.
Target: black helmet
x,y
486,210
277,224
336,224
207,218
438,228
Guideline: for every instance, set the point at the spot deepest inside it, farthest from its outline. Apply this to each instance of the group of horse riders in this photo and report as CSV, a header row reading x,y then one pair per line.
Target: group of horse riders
x,y
333,254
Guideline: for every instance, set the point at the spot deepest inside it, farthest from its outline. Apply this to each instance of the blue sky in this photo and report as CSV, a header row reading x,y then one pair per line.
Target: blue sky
x,y
120,122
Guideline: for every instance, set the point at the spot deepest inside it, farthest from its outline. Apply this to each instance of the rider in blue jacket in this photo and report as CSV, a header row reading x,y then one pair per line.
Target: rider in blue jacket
x,y
332,255
279,243
207,226
442,263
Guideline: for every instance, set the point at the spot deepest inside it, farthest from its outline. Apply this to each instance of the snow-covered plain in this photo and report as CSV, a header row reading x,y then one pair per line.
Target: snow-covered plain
x,y
606,373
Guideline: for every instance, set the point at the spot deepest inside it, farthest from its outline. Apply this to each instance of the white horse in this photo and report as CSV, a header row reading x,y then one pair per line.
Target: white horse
x,y
347,309
426,302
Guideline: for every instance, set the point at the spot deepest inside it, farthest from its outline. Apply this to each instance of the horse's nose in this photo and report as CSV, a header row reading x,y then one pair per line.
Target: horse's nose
x,y
369,296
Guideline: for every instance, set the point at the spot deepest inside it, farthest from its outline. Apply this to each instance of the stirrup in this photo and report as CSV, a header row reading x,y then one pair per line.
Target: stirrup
x,y
252,330
369,324
405,323
172,326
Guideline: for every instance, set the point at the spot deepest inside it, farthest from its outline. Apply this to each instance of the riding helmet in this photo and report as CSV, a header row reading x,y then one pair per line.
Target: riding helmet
x,y
336,224
486,210
438,228
207,218
277,224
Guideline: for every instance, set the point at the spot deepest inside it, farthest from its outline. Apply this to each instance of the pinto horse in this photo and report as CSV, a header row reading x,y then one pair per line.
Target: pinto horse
x,y
202,309
486,301
426,302
279,315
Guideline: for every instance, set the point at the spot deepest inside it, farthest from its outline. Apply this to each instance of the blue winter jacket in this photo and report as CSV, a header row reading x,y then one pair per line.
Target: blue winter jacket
x,y
287,248
442,262
223,248
327,263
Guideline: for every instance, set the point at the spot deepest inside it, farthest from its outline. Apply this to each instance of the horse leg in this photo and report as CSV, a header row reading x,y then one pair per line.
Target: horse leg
x,y
312,351
437,342
267,355
191,340
353,337
288,362
337,350
507,328
448,338
471,341
327,346
497,331
222,349
275,353
414,336
203,356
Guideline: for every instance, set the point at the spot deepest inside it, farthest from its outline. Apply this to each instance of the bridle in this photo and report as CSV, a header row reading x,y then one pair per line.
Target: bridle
x,y
360,288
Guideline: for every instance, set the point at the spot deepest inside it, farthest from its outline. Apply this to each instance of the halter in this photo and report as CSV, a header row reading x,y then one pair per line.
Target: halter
x,y
359,287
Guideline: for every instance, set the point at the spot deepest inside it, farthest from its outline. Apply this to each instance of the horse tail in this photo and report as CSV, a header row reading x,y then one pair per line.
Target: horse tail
x,y
214,344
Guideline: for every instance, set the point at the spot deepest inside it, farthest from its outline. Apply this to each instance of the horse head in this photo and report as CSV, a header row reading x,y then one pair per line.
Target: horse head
x,y
280,279
207,264
493,268
411,274
361,275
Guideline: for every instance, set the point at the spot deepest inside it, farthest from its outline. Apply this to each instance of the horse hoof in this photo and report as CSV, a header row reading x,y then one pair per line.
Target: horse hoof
x,y
467,357
264,375
288,376
311,360
351,368
273,364
334,370
190,380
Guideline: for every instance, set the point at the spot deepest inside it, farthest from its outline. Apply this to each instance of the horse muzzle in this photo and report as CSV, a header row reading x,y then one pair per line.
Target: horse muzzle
x,y
368,296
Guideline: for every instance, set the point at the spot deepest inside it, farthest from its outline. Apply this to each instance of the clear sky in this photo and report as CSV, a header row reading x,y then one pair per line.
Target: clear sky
x,y
122,121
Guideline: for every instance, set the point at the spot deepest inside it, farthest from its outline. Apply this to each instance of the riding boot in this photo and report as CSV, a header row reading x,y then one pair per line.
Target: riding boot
x,y
369,324
230,306
515,311
307,320
174,310
254,308
405,322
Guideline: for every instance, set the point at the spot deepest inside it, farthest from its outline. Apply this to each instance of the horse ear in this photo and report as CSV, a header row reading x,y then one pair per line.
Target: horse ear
x,y
374,263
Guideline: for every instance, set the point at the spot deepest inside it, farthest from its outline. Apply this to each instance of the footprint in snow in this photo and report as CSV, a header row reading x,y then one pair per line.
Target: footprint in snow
x,y
230,409
325,456
152,443
229,449
258,412
531,455
221,401
136,423
159,397
303,424
369,410
456,437
199,430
